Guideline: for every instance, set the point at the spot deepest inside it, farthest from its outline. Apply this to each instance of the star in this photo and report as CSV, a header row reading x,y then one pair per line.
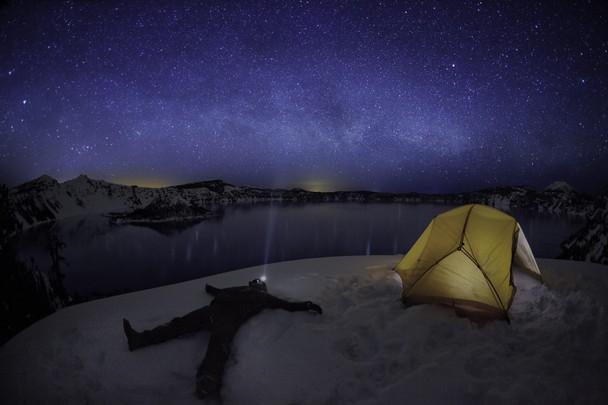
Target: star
x,y
271,96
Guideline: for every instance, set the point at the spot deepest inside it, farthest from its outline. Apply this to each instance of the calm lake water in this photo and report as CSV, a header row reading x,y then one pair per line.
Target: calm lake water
x,y
104,259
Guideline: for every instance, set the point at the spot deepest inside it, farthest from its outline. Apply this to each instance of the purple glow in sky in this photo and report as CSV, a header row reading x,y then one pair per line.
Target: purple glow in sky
x,y
428,96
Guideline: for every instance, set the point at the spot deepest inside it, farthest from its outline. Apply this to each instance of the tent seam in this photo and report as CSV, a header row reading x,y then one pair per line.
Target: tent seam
x,y
485,276
429,269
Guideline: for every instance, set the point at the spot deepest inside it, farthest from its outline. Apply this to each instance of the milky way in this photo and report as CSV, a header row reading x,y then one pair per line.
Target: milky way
x,y
395,96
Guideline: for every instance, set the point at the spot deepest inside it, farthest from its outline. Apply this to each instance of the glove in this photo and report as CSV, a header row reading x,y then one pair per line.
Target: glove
x,y
311,306
211,289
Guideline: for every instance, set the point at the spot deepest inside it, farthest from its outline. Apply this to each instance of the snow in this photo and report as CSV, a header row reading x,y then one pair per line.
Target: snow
x,y
559,186
500,202
366,348
44,199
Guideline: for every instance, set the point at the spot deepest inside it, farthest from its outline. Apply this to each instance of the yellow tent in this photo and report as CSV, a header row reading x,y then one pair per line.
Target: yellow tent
x,y
464,259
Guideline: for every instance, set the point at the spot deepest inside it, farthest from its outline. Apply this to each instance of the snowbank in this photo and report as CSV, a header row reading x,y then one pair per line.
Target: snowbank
x,y
365,349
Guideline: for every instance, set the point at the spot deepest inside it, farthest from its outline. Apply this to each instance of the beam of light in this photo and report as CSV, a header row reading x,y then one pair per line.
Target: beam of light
x,y
188,252
269,235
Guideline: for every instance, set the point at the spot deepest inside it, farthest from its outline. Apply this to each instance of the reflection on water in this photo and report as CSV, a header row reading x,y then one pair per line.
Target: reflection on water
x,y
103,259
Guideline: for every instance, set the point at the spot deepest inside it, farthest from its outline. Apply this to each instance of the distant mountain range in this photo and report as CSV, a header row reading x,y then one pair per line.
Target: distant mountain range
x,y
45,199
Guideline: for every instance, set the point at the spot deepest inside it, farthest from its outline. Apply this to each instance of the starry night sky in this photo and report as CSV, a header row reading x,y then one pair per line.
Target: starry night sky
x,y
425,96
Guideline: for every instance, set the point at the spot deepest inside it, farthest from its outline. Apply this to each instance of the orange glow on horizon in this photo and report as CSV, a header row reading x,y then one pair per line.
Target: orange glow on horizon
x,y
146,183
318,186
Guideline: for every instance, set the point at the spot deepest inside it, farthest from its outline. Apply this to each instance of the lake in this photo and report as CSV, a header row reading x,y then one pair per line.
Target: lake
x,y
103,259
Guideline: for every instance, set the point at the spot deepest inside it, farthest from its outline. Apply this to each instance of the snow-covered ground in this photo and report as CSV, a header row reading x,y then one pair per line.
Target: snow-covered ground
x,y
365,349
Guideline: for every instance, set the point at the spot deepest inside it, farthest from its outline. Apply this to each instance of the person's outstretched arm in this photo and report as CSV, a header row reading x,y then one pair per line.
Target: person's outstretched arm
x,y
212,290
295,306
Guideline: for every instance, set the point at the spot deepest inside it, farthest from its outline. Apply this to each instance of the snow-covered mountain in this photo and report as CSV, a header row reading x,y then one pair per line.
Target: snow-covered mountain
x,y
559,198
45,199
560,187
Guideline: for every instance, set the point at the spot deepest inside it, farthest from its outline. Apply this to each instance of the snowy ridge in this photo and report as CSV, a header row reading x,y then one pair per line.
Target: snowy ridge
x,y
34,205
546,201
560,186
45,199
366,348
38,202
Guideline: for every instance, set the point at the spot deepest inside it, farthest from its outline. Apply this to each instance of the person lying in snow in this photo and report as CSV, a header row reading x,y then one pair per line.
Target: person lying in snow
x,y
223,317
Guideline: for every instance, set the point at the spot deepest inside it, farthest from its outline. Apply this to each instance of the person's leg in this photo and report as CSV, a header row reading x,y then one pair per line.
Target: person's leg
x,y
192,322
211,370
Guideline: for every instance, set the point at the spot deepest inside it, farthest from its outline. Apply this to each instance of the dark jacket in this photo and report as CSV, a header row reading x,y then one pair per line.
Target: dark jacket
x,y
245,302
